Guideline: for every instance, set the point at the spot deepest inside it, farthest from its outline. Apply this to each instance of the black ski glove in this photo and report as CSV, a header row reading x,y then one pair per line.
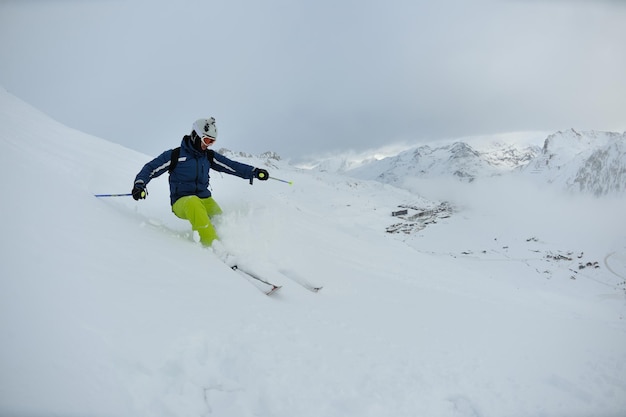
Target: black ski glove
x,y
261,174
139,190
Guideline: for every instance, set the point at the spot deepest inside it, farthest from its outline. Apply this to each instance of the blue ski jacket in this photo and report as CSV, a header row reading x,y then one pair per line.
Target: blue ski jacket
x,y
191,173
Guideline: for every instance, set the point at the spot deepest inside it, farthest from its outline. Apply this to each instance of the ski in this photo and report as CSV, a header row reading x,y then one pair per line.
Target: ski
x,y
260,282
266,287
291,275
311,287
298,279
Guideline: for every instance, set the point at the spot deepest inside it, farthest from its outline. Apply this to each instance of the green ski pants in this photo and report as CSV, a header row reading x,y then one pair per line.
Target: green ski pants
x,y
199,212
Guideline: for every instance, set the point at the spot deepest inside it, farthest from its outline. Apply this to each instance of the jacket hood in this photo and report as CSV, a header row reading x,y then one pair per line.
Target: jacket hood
x,y
187,144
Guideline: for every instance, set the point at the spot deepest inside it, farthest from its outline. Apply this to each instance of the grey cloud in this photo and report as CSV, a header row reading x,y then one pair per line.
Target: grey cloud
x,y
306,77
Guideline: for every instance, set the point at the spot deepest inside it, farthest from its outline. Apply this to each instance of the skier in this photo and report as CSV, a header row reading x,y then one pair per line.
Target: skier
x,y
189,168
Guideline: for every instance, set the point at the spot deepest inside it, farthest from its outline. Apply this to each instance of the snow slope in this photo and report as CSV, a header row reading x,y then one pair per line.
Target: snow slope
x,y
512,306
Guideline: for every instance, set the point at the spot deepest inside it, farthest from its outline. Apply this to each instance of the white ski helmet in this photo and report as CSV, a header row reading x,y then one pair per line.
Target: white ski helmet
x,y
205,127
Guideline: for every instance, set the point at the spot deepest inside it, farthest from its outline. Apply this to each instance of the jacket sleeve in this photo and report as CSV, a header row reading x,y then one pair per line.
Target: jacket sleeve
x,y
228,166
154,168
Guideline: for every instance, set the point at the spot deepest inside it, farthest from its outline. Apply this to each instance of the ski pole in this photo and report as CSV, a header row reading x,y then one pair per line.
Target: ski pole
x,y
112,195
285,181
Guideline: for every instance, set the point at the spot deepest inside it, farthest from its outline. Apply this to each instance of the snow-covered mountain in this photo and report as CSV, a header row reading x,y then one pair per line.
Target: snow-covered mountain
x,y
458,160
507,301
588,162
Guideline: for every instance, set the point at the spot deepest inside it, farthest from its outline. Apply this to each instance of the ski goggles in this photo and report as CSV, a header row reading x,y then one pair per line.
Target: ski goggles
x,y
207,140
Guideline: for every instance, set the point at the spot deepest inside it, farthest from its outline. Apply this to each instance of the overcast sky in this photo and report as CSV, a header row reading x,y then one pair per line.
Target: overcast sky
x,y
319,76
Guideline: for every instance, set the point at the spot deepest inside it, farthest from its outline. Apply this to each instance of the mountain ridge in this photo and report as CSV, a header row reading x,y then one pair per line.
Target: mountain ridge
x,y
588,162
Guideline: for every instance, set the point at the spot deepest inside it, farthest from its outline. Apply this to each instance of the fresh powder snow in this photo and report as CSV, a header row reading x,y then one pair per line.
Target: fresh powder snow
x,y
485,299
